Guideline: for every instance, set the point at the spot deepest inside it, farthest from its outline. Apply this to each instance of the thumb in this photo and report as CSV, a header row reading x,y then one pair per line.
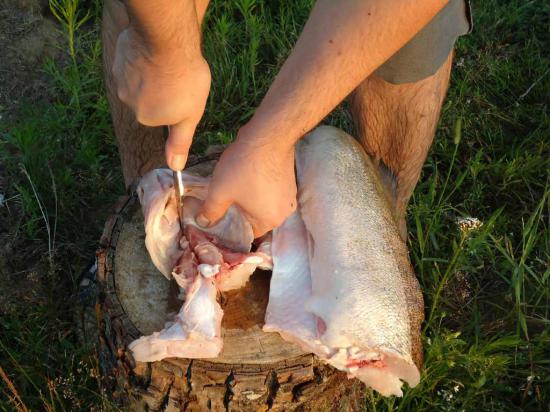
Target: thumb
x,y
213,209
179,141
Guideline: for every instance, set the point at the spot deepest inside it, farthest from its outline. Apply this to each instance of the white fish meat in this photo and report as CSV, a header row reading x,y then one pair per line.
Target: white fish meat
x,y
342,285
362,307
195,332
290,287
202,261
162,227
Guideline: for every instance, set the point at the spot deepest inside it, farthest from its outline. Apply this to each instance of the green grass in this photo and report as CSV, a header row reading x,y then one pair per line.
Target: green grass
x,y
486,335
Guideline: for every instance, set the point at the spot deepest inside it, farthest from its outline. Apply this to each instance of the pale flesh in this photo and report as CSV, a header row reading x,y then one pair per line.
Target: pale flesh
x,y
359,306
342,286
202,261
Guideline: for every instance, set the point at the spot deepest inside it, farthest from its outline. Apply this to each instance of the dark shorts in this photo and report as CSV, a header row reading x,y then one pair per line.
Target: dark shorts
x,y
426,52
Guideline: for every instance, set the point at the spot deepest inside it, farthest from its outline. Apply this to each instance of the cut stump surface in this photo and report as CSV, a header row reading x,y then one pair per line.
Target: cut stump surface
x,y
255,371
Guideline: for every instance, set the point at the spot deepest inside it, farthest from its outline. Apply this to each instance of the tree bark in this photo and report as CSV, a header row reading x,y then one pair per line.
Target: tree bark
x,y
255,371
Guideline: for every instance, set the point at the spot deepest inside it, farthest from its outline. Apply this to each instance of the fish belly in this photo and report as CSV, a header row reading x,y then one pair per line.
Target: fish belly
x,y
290,287
362,290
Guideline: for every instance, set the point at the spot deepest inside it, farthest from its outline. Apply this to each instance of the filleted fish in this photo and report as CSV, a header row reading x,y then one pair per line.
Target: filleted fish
x,y
342,285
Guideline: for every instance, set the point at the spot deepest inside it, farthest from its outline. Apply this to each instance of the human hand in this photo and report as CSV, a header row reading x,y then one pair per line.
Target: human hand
x,y
257,175
163,87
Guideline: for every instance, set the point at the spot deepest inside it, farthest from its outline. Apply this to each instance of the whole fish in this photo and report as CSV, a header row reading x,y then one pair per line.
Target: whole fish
x,y
359,305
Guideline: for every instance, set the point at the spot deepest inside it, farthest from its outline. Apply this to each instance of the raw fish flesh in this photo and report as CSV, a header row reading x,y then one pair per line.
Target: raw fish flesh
x,y
202,261
358,304
342,285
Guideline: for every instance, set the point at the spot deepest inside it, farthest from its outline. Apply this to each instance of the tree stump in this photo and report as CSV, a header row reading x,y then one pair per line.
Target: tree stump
x,y
255,371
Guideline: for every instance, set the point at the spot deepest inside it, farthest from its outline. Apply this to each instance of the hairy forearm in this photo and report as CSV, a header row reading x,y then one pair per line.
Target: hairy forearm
x,y
342,43
169,26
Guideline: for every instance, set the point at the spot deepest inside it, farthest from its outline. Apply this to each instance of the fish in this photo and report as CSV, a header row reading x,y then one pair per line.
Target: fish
x,y
203,262
359,306
342,285
163,231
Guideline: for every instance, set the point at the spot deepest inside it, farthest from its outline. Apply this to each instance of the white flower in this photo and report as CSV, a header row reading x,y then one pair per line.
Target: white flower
x,y
468,224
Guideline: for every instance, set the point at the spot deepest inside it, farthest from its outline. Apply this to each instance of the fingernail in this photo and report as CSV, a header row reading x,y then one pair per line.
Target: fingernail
x,y
178,162
202,221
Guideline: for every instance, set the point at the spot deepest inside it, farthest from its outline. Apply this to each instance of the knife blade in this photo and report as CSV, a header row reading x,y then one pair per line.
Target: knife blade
x,y
180,191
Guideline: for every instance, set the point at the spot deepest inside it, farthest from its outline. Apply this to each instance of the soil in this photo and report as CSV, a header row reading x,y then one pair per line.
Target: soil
x,y
29,36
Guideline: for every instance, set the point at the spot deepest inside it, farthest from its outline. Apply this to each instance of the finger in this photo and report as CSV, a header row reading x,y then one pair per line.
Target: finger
x,y
258,227
177,146
261,226
213,209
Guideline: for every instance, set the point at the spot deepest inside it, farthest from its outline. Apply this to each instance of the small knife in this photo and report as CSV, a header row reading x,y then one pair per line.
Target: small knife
x,y
180,191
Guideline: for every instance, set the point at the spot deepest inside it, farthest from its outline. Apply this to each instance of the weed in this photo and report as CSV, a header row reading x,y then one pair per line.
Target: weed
x,y
60,162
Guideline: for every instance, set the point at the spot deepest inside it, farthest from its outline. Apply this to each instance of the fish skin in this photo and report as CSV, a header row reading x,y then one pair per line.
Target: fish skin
x,y
363,285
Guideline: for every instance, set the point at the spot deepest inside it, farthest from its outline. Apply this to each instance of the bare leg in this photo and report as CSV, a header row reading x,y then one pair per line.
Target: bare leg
x,y
141,148
396,125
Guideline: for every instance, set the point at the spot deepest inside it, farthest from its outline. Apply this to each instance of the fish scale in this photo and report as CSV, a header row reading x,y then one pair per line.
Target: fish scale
x,y
344,206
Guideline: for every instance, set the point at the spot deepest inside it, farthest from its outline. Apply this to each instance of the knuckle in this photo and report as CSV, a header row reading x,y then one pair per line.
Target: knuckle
x,y
144,115
178,145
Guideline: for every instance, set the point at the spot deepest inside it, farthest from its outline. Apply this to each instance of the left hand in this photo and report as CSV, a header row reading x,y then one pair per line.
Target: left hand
x,y
256,174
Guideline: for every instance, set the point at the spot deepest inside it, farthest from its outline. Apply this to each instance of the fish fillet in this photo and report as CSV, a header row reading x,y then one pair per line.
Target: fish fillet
x,y
290,286
202,261
342,285
362,291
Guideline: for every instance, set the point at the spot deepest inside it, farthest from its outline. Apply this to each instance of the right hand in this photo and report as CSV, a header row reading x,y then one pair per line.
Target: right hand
x,y
167,87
